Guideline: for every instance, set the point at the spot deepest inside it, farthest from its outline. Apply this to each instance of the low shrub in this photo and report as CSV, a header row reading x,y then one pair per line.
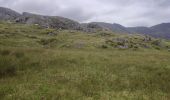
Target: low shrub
x,y
18,54
4,52
47,41
104,46
32,37
156,43
8,67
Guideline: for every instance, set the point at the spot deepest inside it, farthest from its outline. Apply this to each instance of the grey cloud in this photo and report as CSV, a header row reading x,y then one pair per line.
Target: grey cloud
x,y
125,12
75,13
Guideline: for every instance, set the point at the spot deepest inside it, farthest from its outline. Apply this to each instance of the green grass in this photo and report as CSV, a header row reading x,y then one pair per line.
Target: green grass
x,y
72,65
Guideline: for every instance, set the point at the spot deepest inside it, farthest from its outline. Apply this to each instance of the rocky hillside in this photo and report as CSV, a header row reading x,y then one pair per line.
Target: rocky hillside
x,y
8,14
158,31
26,35
48,21
44,21
45,64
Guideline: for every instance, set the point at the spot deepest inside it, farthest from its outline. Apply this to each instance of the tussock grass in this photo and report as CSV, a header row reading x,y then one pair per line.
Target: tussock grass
x,y
73,65
95,74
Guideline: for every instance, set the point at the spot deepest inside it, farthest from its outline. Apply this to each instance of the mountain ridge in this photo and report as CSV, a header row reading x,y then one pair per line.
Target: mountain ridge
x,y
159,31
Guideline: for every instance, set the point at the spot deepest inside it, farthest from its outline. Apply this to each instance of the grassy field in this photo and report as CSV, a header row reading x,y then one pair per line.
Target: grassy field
x,y
72,65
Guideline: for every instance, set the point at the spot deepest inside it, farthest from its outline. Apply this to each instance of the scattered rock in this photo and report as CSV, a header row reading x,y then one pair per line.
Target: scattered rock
x,y
120,40
91,27
71,31
123,47
169,50
145,46
79,45
147,39
52,33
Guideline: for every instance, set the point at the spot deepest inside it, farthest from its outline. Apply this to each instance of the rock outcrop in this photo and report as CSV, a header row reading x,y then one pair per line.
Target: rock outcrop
x,y
8,14
44,21
48,21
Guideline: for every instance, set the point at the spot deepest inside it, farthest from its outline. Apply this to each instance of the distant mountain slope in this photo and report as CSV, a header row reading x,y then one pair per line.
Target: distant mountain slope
x,y
162,27
113,27
162,30
8,14
141,30
158,31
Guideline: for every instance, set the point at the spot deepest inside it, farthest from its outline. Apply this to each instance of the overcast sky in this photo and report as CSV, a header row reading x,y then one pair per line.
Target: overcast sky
x,y
125,12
